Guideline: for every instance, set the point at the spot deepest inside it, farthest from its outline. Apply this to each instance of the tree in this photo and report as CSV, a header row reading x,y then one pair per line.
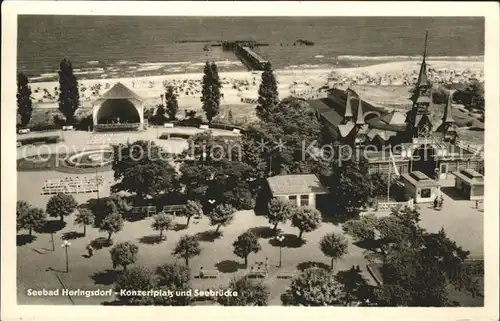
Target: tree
x,y
22,208
160,112
162,222
69,96
174,277
187,247
306,219
250,293
171,103
361,229
84,217
112,223
279,212
61,205
349,185
29,218
471,96
314,287
135,279
285,143
268,93
378,184
245,244
24,103
333,245
124,254
409,254
143,168
210,93
193,208
221,215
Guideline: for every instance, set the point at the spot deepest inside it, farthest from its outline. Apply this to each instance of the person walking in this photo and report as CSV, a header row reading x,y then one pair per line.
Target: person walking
x,y
90,250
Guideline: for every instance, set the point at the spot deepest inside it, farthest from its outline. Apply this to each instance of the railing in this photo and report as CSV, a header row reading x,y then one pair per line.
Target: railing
x,y
389,206
125,126
476,149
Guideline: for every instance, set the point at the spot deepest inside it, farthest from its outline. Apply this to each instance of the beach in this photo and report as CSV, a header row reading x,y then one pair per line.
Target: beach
x,y
241,87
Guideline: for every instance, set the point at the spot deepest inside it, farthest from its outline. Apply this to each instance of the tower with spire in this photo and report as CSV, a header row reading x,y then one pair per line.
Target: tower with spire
x,y
418,118
448,126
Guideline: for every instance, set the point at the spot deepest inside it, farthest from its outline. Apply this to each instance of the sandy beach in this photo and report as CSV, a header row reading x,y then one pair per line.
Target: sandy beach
x,y
242,87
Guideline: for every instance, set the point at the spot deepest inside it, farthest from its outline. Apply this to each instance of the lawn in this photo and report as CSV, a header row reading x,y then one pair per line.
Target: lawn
x,y
38,265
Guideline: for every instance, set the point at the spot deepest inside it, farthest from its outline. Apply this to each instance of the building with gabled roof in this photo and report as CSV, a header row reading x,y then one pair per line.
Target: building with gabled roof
x,y
119,108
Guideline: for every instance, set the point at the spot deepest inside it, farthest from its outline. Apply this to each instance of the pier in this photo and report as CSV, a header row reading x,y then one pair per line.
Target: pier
x,y
250,58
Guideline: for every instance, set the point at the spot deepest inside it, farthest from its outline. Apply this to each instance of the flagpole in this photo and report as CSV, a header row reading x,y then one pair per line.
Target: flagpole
x,y
389,183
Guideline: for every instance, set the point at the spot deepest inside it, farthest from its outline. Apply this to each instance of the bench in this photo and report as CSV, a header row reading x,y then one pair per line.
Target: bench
x,y
168,125
203,126
67,127
286,274
209,274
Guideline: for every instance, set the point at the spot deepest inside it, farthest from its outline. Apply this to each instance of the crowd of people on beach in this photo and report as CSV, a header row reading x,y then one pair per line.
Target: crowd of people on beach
x,y
405,78
246,88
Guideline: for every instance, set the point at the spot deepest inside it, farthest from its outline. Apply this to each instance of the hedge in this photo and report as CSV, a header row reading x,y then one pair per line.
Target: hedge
x,y
224,126
41,139
173,135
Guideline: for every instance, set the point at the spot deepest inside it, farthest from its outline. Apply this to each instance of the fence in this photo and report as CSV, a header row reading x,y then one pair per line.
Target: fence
x,y
69,185
389,206
144,210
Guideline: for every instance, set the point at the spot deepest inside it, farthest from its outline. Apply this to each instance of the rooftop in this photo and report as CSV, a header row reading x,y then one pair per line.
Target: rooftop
x,y
295,184
419,179
119,91
470,176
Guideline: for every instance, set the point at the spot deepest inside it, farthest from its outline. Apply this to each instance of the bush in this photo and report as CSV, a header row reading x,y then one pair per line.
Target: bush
x,y
84,122
41,139
224,126
174,135
41,125
189,122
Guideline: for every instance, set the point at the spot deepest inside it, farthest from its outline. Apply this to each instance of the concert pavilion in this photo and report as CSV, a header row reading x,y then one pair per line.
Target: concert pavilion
x,y
118,109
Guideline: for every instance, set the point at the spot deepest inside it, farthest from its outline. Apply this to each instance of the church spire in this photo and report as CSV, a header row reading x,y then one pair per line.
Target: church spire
x,y
423,79
359,118
447,117
348,109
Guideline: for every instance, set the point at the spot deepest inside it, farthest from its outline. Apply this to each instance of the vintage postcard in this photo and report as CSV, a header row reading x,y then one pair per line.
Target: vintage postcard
x,y
207,155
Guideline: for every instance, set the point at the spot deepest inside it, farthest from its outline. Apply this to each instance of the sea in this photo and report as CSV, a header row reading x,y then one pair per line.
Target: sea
x,y
109,46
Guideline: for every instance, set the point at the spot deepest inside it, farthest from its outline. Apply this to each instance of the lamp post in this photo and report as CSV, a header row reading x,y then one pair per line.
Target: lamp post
x,y
280,238
97,188
66,244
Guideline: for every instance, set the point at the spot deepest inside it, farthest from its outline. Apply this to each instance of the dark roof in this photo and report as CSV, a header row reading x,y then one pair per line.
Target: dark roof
x,y
379,124
419,179
339,98
120,91
295,184
470,176
319,105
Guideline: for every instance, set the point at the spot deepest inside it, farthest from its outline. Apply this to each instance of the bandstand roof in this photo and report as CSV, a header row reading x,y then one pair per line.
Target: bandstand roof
x,y
120,91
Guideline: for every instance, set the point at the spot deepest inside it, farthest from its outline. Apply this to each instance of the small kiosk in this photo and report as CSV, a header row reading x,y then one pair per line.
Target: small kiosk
x,y
421,187
300,189
470,183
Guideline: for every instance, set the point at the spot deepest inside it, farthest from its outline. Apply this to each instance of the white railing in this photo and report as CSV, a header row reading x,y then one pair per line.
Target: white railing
x,y
389,206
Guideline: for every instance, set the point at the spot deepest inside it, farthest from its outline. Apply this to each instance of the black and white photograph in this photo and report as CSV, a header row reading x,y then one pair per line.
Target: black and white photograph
x,y
251,160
